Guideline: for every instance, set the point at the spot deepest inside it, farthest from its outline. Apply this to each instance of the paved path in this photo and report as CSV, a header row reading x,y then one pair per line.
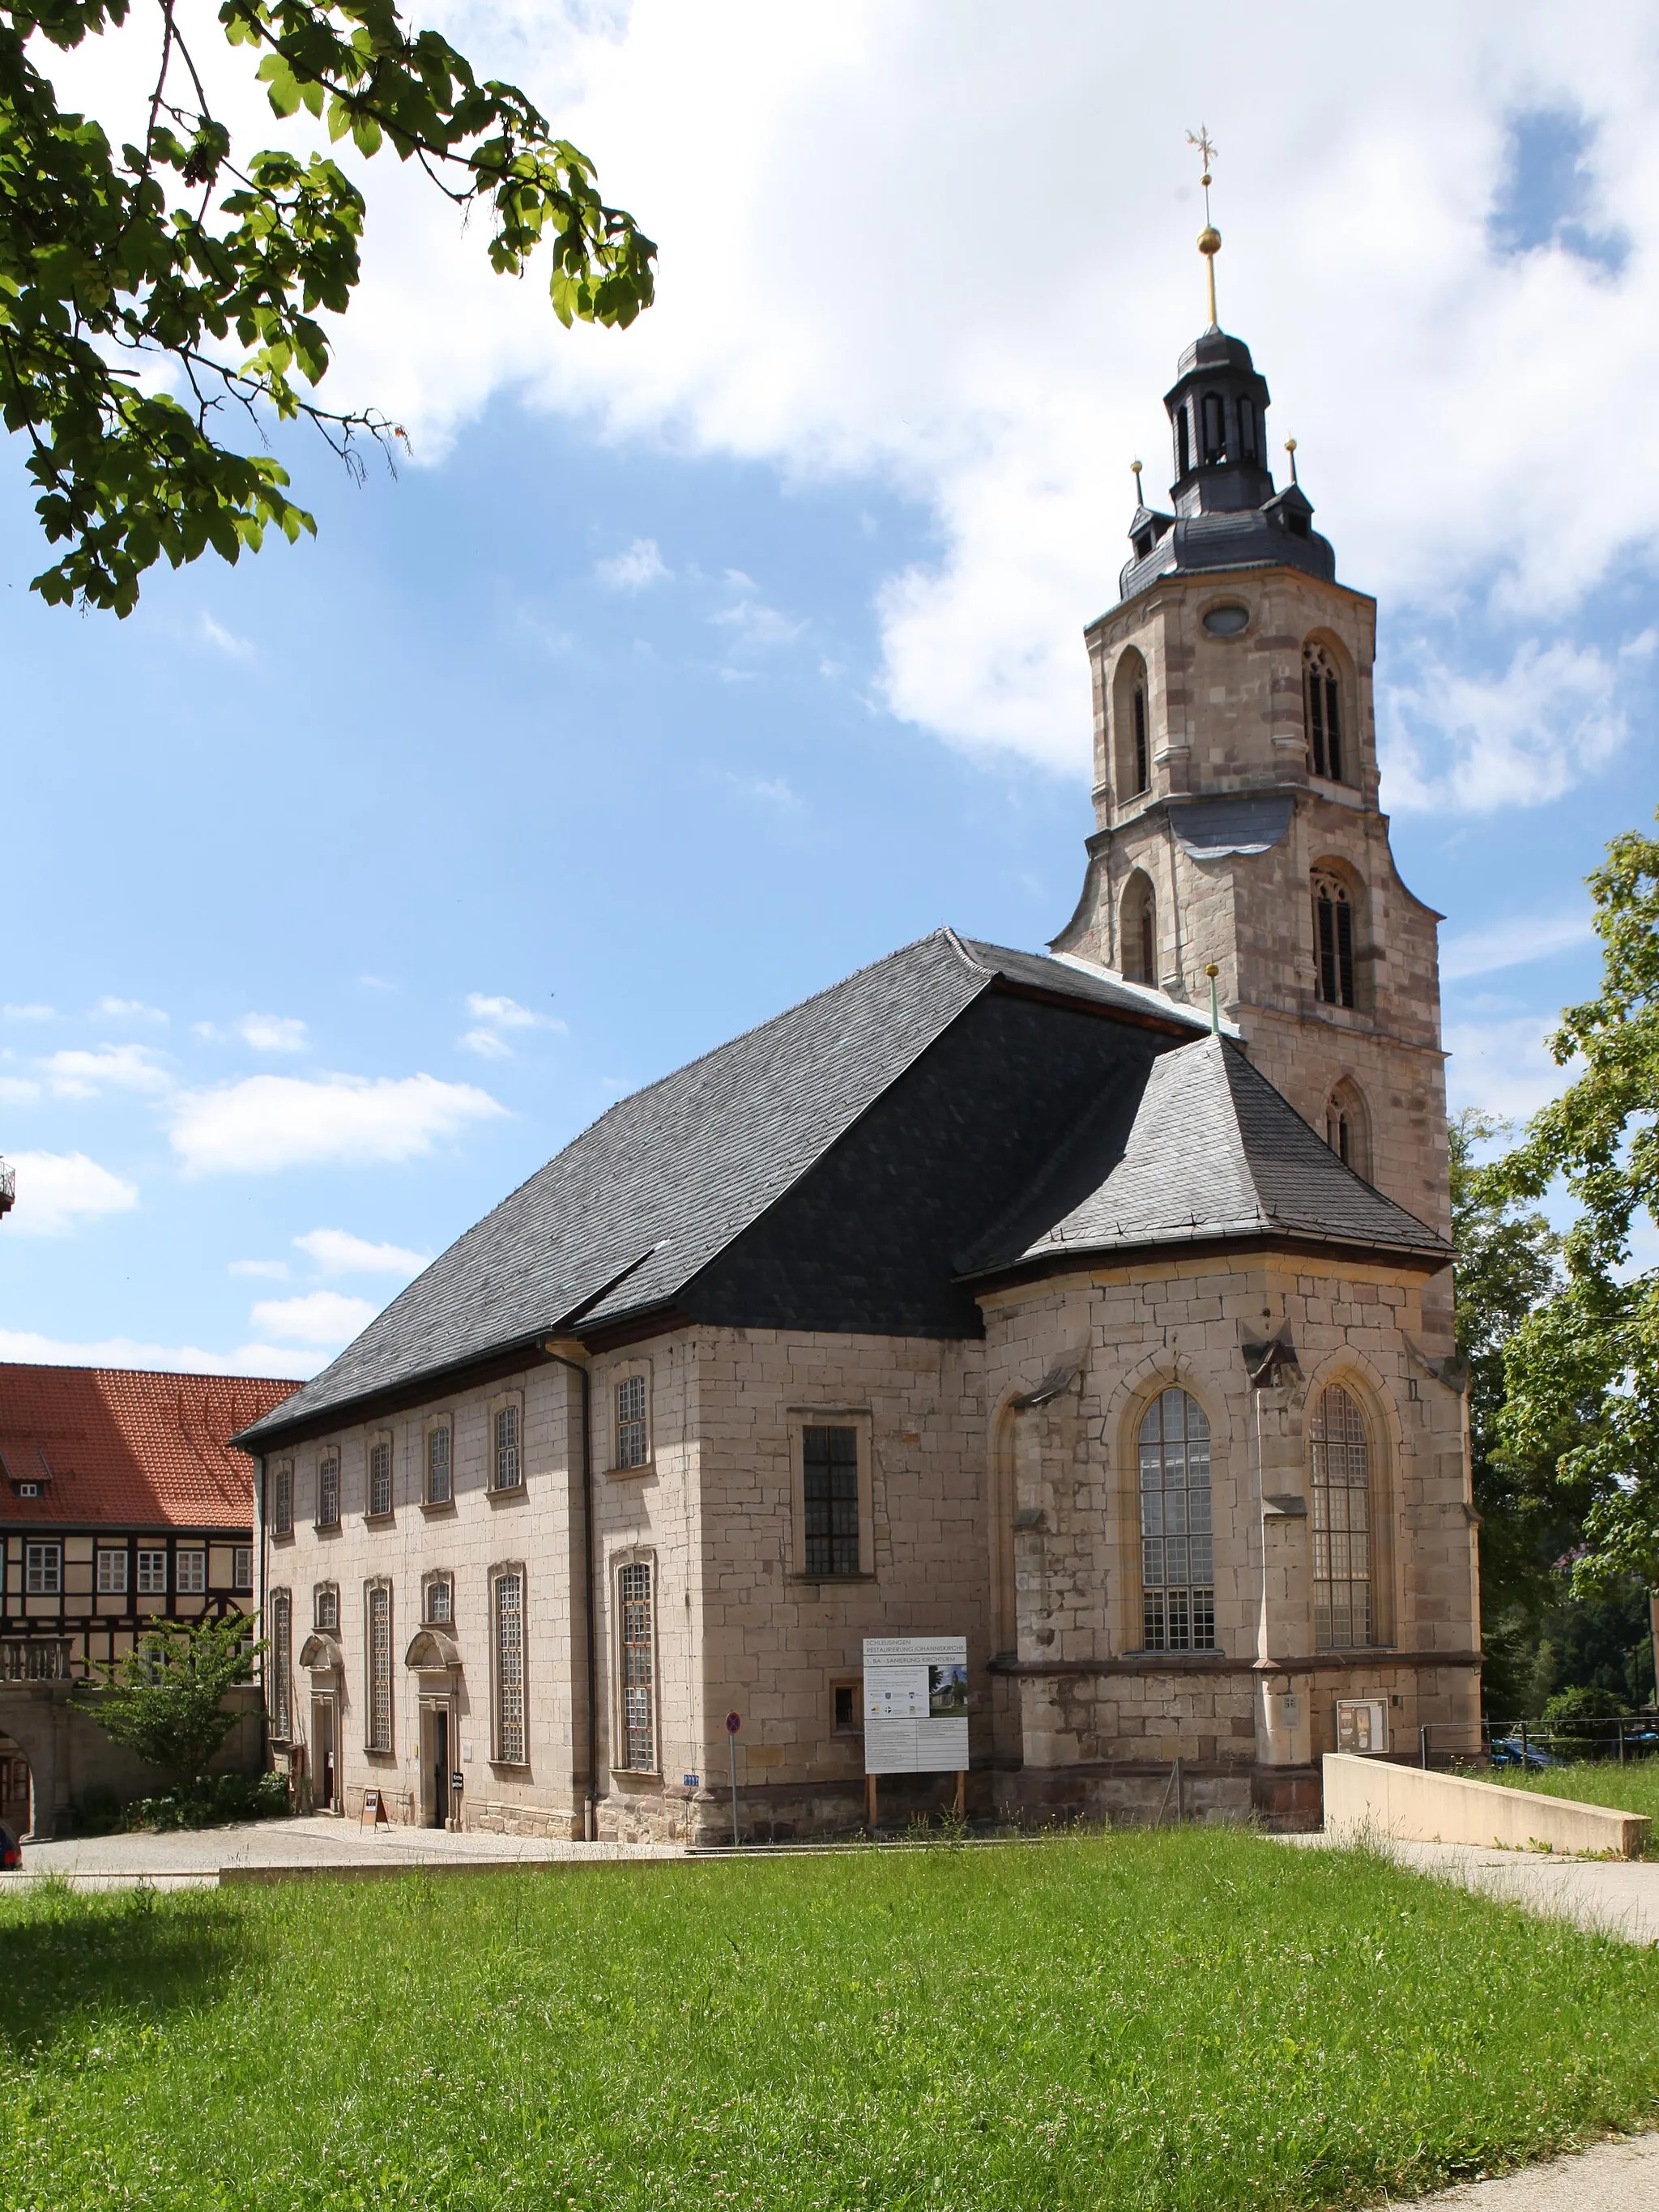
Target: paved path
x,y
1614,2177
1610,1897
196,1860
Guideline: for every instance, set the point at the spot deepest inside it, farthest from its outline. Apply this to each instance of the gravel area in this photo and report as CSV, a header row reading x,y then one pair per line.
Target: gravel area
x,y
1614,2177
197,1859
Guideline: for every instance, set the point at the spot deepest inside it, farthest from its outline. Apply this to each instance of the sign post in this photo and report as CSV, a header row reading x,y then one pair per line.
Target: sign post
x,y
733,1723
915,1710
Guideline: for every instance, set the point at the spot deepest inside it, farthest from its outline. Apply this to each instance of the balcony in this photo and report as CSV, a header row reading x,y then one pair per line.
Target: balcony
x,y
34,1659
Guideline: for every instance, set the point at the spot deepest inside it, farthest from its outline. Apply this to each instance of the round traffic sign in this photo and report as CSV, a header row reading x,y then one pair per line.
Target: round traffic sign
x,y
733,1723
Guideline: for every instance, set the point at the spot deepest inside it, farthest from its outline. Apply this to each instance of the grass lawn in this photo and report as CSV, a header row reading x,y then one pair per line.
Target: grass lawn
x,y
1201,2019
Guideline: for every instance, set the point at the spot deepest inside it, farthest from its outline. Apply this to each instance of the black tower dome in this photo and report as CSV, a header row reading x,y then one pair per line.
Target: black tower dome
x,y
1227,514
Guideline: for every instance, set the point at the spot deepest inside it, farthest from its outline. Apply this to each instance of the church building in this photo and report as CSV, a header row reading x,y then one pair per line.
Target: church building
x,y
1095,1305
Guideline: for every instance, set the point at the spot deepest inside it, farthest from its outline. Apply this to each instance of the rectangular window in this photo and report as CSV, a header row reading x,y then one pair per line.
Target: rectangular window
x,y
509,1668
441,1600
325,1606
830,1464
152,1572
282,1497
282,1677
43,1569
508,1472
112,1574
241,1567
380,1477
438,1483
191,1574
328,1491
379,1667
633,1439
639,1669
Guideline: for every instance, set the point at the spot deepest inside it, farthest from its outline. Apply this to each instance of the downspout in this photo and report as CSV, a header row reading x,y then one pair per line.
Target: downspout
x,y
590,1805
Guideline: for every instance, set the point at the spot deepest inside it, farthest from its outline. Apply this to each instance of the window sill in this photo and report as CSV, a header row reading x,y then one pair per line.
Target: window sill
x,y
431,1506
379,1520
647,1777
282,1535
631,1474
510,1766
508,1494
838,1580
325,1529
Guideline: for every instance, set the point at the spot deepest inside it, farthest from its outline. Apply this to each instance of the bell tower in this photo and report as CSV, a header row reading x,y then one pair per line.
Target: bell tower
x,y
1237,823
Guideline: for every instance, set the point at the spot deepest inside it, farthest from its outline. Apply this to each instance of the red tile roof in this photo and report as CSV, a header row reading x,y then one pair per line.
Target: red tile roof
x,y
113,1447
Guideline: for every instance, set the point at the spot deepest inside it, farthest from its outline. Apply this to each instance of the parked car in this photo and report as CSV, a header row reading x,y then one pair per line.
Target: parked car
x,y
1512,1751
11,1851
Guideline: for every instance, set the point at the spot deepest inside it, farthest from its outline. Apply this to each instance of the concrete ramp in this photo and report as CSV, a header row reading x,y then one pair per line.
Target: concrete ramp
x,y
1369,1796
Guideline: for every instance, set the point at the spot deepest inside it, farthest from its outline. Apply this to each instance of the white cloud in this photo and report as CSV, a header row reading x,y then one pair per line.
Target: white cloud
x,y
132,1010
30,1013
18,1090
325,1318
754,625
72,1074
1475,743
496,1014
272,1032
263,1359
337,1252
57,1191
632,571
1504,1067
1513,943
770,791
265,1122
225,640
275,1271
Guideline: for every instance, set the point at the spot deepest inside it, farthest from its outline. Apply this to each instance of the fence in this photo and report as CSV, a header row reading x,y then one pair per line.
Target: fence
x,y
1619,1740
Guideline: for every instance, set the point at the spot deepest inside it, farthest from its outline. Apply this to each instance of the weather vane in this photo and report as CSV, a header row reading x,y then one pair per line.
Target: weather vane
x,y
1209,238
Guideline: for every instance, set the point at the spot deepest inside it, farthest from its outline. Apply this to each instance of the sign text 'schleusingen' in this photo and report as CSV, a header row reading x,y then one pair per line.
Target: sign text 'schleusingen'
x,y
915,1704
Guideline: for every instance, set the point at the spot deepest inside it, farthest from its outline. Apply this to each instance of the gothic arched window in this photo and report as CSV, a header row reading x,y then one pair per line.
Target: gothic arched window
x,y
1341,1482
1215,426
1347,1128
1333,919
1138,931
1132,726
1246,428
1183,447
1178,1575
1321,691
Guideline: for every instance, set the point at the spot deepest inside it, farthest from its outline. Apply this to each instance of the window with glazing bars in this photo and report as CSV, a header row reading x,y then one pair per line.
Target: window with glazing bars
x,y
191,1577
509,1669
438,1492
1323,697
639,1669
633,1438
113,1573
1177,1578
1332,941
507,1470
282,1501
282,1680
1143,759
379,1667
326,1607
830,1465
241,1567
440,1600
152,1573
43,1569
380,1475
1341,1523
328,1491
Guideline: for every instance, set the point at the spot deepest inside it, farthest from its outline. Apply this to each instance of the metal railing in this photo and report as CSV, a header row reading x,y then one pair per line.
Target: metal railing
x,y
1533,1745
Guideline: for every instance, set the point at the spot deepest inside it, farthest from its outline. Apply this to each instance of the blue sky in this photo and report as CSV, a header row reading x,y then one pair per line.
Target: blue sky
x,y
666,687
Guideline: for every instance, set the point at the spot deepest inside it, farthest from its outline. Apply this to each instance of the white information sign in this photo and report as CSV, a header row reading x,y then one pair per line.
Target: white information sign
x,y
915,1704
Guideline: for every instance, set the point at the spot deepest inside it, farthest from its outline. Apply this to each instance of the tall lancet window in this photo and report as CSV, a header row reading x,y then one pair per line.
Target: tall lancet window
x,y
1341,1474
1246,428
1183,445
1215,426
1177,1578
1322,701
1333,919
1138,931
1143,764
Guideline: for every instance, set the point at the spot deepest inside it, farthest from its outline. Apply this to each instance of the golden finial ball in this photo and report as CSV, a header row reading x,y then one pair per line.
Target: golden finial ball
x,y
1209,240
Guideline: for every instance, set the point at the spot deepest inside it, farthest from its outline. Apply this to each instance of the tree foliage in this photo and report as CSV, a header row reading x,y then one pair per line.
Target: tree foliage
x,y
171,256
166,1700
1593,1343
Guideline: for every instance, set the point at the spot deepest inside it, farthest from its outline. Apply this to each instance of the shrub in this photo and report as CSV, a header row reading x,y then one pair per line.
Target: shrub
x,y
1581,1711
212,1803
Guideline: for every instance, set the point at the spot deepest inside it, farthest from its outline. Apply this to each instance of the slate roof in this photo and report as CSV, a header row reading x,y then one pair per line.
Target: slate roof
x,y
1212,1151
624,1218
115,1448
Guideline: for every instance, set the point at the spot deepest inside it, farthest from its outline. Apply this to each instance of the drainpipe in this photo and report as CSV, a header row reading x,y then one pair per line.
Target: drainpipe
x,y
590,1809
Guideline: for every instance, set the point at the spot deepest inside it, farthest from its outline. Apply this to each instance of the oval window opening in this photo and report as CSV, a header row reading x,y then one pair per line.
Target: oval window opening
x,y
1226,622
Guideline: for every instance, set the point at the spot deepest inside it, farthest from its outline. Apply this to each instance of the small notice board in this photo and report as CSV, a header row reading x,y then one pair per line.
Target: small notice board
x,y
915,1704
